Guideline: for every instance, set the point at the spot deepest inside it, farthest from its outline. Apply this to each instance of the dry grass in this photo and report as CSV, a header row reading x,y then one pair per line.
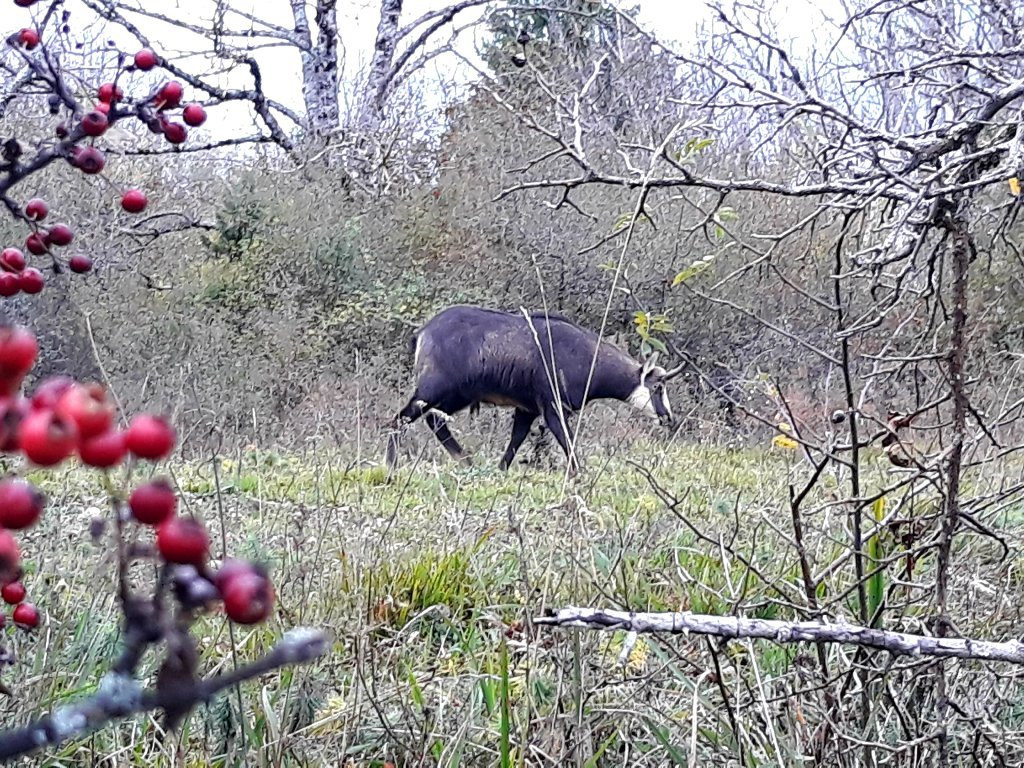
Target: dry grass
x,y
427,585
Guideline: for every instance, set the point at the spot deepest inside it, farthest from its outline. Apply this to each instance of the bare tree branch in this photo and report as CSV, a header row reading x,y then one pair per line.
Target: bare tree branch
x,y
736,627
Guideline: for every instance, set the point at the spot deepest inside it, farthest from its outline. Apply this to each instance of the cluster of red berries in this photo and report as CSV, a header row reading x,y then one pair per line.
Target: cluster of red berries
x,y
15,276
169,97
244,587
63,417
20,506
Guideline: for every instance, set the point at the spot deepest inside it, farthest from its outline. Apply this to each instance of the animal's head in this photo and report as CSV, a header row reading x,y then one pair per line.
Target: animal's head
x,y
650,395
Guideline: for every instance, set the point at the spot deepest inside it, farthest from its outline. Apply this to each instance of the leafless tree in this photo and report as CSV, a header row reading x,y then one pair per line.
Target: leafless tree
x,y
400,48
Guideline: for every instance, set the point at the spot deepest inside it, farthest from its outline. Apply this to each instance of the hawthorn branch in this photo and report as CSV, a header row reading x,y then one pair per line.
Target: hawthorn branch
x,y
255,95
785,632
120,695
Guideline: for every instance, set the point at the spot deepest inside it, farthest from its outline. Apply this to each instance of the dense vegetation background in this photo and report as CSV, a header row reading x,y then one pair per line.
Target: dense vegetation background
x,y
824,232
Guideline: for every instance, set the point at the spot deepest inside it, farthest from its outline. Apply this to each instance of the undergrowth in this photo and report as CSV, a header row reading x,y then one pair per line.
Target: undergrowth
x,y
428,583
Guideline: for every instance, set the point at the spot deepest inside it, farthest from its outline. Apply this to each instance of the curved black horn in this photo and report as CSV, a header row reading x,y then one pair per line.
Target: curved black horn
x,y
671,373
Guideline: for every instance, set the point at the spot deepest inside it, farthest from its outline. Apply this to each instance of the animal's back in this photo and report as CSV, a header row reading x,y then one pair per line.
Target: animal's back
x,y
474,336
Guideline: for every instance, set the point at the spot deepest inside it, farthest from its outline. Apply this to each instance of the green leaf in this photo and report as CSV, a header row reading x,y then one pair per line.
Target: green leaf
x,y
417,692
695,145
661,324
656,344
674,754
505,743
691,271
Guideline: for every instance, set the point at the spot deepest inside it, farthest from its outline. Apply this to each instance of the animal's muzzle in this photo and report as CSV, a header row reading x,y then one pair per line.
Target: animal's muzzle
x,y
666,421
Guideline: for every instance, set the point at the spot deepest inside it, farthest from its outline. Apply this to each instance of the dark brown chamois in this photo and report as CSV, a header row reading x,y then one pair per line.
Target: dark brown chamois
x,y
539,364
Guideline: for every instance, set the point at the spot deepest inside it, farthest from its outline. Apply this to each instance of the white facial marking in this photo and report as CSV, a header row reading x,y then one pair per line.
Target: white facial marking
x,y
640,398
416,351
664,402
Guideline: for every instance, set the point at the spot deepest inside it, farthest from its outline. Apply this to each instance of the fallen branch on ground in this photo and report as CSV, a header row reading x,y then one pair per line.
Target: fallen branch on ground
x,y
901,643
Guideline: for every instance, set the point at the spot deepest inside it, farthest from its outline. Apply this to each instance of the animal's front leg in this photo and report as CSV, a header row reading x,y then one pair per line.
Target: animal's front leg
x,y
413,410
440,429
521,423
558,423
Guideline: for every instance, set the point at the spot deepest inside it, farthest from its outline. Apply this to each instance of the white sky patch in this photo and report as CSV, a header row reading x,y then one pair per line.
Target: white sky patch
x,y
673,22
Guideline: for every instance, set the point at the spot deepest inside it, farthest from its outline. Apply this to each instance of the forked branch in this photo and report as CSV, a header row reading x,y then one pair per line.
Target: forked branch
x,y
120,695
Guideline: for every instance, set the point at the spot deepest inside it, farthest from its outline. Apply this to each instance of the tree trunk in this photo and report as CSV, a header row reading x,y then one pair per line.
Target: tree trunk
x,y
319,67
375,90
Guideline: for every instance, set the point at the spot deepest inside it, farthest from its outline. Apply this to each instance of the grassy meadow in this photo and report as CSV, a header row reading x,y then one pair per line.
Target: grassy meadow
x,y
427,585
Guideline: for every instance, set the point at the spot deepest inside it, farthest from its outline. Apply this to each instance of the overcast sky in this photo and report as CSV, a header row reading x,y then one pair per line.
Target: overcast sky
x,y
672,21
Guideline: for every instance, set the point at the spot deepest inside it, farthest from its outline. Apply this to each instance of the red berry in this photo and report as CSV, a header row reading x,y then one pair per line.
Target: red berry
x,y
12,411
175,133
95,123
12,260
183,540
153,503
24,3
88,407
134,201
36,209
30,280
60,234
18,350
169,96
102,107
10,384
47,438
61,130
194,115
13,592
248,597
109,93
145,59
50,391
10,557
29,38
229,568
150,437
89,160
104,451
8,284
36,243
21,504
80,263
26,616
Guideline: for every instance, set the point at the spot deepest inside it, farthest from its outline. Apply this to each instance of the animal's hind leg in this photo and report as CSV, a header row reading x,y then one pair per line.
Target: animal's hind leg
x,y
412,411
440,429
